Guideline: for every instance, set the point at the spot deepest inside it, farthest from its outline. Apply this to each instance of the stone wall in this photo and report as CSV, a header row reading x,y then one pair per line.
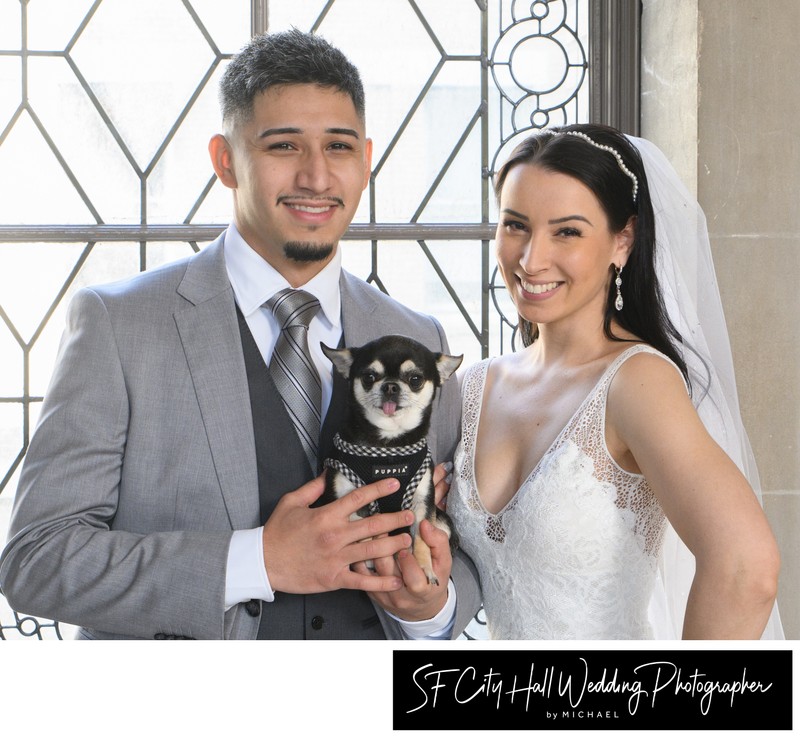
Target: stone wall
x,y
720,98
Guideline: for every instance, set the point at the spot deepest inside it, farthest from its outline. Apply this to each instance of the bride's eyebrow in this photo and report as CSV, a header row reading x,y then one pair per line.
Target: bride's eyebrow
x,y
567,218
516,214
554,221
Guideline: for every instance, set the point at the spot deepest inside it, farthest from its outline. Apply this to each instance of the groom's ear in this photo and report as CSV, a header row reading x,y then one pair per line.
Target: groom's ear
x,y
222,160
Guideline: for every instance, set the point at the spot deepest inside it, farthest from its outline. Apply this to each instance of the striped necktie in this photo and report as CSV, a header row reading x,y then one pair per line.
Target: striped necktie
x,y
292,368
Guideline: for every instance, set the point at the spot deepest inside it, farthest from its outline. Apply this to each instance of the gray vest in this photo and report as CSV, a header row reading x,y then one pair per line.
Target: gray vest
x,y
283,467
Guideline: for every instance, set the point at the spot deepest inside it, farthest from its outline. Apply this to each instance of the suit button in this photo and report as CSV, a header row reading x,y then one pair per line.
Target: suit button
x,y
253,608
317,622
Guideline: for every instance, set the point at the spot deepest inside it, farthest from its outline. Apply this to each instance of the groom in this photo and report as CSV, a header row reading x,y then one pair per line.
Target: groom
x,y
166,492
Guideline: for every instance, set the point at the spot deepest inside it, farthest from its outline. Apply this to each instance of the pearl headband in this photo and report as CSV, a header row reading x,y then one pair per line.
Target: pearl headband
x,y
611,150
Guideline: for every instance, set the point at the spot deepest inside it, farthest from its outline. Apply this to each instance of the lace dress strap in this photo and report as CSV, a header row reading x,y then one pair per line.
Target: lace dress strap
x,y
639,348
472,399
587,430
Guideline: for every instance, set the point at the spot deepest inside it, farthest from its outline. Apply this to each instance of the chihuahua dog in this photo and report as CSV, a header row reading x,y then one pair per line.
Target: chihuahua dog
x,y
392,383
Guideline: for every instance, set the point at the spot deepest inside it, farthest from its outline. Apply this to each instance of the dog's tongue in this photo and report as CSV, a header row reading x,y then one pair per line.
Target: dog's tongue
x,y
389,407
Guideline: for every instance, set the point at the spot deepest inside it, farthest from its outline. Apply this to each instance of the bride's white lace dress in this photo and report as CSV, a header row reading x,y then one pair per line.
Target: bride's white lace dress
x,y
574,553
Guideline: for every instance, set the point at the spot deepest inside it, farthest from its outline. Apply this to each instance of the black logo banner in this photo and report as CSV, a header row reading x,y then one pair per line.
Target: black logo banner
x,y
595,690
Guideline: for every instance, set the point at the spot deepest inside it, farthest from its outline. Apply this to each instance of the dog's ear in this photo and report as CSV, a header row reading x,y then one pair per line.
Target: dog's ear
x,y
447,365
342,359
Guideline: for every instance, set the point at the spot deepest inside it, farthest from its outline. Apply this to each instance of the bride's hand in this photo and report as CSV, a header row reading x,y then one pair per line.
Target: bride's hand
x,y
417,599
442,477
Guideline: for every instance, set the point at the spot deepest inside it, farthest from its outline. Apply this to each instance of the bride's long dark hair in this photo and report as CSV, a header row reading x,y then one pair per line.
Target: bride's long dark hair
x,y
644,314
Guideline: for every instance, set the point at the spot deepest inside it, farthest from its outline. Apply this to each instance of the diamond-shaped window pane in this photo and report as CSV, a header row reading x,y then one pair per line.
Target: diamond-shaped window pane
x,y
38,193
53,23
83,140
426,146
184,170
458,196
142,60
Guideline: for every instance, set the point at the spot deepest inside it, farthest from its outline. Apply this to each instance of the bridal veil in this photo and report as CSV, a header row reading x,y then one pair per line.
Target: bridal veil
x,y
688,282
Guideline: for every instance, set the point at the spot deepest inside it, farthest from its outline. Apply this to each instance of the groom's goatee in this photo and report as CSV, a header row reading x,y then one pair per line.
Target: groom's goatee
x,y
305,251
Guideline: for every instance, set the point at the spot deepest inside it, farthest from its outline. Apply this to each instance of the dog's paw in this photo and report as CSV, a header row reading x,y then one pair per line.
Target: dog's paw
x,y
432,578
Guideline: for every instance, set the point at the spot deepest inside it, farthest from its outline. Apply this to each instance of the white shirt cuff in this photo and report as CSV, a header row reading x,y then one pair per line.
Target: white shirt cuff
x,y
246,576
439,627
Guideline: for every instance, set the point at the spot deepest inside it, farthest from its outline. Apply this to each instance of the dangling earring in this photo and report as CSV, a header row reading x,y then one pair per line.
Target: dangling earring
x,y
618,281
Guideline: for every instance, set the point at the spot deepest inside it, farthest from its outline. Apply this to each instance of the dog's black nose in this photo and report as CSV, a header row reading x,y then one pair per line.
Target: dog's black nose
x,y
390,390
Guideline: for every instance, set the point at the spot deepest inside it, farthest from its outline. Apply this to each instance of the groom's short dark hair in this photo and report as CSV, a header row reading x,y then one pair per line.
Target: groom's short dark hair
x,y
285,58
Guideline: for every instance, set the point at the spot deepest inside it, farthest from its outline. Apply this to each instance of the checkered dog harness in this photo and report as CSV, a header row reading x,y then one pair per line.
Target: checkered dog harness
x,y
365,464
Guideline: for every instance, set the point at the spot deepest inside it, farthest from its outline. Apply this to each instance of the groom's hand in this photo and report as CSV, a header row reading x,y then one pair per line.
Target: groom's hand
x,y
417,599
311,549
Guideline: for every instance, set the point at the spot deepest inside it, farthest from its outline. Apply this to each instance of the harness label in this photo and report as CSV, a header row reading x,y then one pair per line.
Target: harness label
x,y
388,470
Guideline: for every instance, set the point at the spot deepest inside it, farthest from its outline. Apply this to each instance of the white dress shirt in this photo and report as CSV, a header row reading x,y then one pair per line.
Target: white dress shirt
x,y
254,282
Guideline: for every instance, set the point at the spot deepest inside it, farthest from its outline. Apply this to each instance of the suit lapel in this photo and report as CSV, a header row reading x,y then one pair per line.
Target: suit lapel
x,y
361,322
210,337
358,306
334,417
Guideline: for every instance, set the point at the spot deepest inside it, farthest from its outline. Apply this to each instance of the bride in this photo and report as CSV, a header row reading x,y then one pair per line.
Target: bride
x,y
617,425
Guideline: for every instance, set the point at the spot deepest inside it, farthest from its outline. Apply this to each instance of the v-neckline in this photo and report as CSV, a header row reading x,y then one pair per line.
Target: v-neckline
x,y
552,447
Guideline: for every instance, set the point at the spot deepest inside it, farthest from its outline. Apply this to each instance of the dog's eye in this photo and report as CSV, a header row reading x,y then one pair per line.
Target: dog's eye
x,y
368,380
415,381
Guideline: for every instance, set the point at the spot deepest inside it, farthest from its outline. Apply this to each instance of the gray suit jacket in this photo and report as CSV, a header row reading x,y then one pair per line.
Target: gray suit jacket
x,y
143,462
